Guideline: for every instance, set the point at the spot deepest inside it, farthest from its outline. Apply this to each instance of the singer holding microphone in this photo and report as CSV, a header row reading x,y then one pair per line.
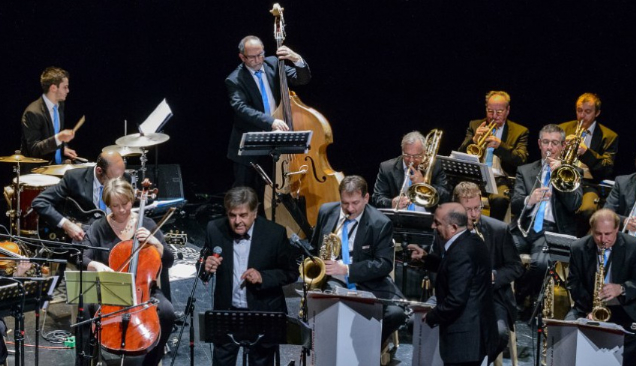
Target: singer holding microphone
x,y
252,261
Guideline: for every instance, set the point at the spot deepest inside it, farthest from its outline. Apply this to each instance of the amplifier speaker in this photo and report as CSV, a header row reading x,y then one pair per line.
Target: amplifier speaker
x,y
166,177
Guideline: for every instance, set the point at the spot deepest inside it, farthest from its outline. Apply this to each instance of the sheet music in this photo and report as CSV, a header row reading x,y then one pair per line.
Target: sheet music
x,y
464,157
157,118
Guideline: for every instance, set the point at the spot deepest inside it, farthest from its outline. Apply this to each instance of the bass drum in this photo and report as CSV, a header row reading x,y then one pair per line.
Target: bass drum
x,y
31,186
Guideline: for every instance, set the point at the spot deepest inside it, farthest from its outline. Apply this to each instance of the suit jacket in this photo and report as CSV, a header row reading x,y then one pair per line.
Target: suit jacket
x,y
622,197
465,309
505,260
599,156
513,150
373,249
580,280
564,205
76,184
38,139
391,178
270,254
247,103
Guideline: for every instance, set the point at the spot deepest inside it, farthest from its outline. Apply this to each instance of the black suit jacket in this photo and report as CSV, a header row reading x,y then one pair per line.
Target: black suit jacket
x,y
564,205
513,150
373,249
465,309
583,260
599,156
247,103
622,196
505,260
391,178
270,254
38,139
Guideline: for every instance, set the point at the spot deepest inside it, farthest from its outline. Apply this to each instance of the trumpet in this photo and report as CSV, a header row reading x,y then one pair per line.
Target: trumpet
x,y
479,148
567,177
538,180
424,194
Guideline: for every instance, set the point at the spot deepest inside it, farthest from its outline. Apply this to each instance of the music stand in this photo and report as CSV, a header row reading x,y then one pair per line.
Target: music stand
x,y
243,328
460,168
559,246
274,144
410,227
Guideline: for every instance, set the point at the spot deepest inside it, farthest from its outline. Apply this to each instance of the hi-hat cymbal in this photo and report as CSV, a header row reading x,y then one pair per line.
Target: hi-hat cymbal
x,y
59,170
18,158
124,151
137,140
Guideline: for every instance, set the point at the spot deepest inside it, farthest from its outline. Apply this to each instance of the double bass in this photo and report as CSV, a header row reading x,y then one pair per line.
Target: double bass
x,y
307,178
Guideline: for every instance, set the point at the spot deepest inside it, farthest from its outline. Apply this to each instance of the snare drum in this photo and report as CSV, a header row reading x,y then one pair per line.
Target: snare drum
x,y
32,186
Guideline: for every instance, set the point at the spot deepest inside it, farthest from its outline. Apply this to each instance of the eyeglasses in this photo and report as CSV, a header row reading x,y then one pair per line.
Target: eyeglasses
x,y
496,112
553,142
409,156
473,209
255,57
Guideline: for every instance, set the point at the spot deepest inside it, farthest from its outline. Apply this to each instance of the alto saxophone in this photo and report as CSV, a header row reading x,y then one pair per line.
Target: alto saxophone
x,y
600,312
477,230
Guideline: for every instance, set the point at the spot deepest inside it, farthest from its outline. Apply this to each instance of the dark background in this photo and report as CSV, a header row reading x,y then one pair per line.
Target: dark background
x,y
380,69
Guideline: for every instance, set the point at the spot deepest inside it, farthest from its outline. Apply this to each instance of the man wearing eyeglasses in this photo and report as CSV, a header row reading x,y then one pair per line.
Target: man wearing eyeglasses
x,y
541,208
393,173
505,150
254,92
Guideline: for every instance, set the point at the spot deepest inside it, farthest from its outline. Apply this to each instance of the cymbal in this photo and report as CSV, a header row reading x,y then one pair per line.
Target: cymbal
x,y
137,140
124,151
59,170
18,158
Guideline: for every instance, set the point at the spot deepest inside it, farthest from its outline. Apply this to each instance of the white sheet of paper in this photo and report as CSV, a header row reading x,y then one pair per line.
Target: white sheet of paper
x,y
156,118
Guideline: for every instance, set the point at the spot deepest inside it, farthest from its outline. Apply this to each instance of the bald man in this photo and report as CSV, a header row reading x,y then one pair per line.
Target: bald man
x,y
84,186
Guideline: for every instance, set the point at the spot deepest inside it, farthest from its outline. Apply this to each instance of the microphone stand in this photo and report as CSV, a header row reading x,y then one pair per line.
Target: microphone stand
x,y
295,242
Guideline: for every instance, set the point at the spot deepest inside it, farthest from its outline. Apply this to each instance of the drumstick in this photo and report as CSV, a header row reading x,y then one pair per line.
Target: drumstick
x,y
79,124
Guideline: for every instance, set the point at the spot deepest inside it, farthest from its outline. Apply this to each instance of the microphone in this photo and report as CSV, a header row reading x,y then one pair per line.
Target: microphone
x,y
296,242
206,276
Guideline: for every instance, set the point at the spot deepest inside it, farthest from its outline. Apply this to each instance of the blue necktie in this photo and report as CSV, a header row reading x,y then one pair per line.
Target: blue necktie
x,y
538,222
607,273
261,85
102,204
56,127
345,250
410,207
489,153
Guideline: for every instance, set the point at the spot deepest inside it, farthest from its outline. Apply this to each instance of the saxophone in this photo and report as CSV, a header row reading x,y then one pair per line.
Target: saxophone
x,y
314,273
600,312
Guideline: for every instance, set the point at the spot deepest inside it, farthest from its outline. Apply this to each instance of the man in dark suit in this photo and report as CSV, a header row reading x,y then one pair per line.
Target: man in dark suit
x,y
621,200
43,133
619,288
508,144
84,185
253,107
255,263
504,257
552,209
367,247
596,154
390,179
465,310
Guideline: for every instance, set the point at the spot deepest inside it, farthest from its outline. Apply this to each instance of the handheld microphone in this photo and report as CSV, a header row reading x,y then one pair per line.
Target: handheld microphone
x,y
296,242
216,252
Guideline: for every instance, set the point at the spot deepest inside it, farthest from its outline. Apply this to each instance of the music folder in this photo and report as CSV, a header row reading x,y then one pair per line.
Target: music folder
x,y
117,288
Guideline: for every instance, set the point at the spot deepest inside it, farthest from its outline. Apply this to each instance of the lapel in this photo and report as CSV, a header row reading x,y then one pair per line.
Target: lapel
x,y
591,259
504,133
488,236
89,179
398,173
47,115
255,244
597,138
630,196
332,221
618,258
248,80
363,230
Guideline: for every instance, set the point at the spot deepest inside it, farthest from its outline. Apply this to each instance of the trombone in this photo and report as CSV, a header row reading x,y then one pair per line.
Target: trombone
x,y
538,181
632,213
567,177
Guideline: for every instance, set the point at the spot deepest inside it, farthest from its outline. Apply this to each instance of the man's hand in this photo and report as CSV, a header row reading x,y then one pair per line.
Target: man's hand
x,y
481,130
416,175
403,202
22,268
252,276
582,148
630,222
279,125
98,267
335,268
66,135
285,53
610,291
75,232
68,152
493,141
417,253
212,263
538,195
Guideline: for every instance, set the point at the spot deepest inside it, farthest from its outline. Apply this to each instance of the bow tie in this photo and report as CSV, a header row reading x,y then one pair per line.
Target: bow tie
x,y
238,237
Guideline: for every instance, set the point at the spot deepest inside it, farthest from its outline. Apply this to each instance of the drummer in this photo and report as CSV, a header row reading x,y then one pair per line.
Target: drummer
x,y
84,186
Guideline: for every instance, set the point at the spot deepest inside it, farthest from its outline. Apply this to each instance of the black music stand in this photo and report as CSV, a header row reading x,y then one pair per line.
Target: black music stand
x,y
274,144
460,169
410,227
244,328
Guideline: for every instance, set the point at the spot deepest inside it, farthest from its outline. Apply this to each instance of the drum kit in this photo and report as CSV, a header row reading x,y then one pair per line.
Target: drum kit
x,y
24,188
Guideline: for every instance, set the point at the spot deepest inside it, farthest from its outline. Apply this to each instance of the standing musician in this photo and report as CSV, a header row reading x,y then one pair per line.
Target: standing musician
x,y
390,179
465,311
43,133
254,92
535,201
84,185
618,290
254,264
120,225
508,143
622,200
596,154
367,247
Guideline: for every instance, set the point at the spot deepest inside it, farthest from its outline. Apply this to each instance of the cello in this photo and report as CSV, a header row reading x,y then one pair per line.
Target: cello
x,y
308,178
135,331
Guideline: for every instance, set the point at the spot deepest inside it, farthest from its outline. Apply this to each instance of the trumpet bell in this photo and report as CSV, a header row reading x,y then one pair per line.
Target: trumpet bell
x,y
423,194
566,178
474,149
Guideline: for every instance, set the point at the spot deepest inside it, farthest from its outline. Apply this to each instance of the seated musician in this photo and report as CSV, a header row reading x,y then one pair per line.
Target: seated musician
x,y
596,154
20,270
508,144
536,201
119,225
622,200
84,185
254,264
390,179
618,286
367,248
